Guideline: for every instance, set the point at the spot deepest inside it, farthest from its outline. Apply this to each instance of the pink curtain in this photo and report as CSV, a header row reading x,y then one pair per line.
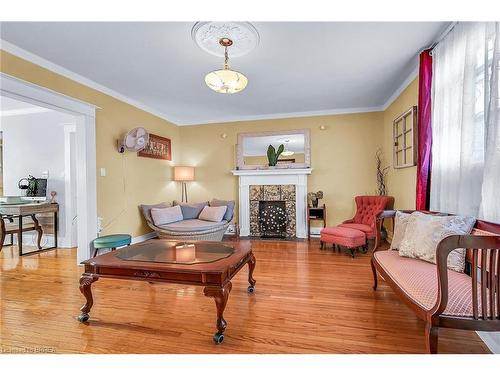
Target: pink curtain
x,y
424,157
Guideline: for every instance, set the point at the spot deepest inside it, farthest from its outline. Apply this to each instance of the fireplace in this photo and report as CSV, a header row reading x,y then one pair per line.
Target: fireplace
x,y
287,184
273,219
272,211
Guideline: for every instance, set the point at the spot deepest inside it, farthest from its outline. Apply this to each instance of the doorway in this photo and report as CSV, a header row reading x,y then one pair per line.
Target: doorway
x,y
83,115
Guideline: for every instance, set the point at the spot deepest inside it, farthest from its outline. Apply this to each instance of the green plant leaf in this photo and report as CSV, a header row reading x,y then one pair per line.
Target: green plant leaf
x,y
281,148
271,155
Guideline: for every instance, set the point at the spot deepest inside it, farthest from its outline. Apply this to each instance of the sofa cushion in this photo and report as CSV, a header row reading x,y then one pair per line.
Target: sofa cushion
x,y
229,204
192,225
215,214
424,232
166,215
400,224
146,210
191,210
418,279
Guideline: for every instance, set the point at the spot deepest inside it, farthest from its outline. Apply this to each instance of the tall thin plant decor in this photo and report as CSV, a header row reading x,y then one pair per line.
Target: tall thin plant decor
x,y
381,173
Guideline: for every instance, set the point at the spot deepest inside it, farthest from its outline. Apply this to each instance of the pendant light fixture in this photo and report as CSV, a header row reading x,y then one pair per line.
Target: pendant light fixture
x,y
226,81
287,152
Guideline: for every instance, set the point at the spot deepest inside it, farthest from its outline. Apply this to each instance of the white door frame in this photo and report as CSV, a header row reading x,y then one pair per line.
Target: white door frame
x,y
85,153
69,239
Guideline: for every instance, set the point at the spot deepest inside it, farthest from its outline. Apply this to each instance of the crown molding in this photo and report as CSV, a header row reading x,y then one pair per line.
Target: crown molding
x,y
277,116
38,60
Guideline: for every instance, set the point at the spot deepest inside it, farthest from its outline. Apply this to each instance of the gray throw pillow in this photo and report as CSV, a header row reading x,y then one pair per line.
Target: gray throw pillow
x,y
230,207
191,210
146,210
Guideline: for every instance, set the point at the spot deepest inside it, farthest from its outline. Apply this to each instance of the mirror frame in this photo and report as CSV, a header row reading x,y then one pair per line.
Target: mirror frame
x,y
240,161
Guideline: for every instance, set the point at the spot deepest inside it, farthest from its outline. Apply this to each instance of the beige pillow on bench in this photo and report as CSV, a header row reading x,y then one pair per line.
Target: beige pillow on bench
x,y
213,213
424,232
400,224
166,215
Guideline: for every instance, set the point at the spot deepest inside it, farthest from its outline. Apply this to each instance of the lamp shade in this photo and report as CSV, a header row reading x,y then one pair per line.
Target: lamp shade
x,y
226,81
183,173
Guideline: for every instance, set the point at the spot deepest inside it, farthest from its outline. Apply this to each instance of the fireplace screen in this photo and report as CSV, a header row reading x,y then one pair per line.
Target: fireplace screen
x,y
272,219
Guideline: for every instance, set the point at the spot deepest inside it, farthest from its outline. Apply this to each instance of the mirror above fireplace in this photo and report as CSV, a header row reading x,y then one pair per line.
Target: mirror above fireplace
x,y
252,149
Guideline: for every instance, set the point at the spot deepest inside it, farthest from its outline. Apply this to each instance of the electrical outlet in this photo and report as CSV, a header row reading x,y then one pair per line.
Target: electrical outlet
x,y
99,224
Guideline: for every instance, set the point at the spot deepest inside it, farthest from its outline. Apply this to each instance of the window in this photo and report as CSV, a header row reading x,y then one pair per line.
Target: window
x,y
405,139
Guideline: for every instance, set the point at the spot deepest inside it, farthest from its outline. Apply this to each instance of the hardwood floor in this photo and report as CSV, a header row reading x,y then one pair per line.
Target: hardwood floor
x,y
307,301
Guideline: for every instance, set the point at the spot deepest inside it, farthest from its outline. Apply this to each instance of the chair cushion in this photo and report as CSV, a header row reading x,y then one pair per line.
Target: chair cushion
x,y
418,279
112,240
343,236
191,210
192,225
166,215
368,230
229,204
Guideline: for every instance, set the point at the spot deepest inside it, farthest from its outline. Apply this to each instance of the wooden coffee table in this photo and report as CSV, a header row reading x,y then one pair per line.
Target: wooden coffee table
x,y
203,263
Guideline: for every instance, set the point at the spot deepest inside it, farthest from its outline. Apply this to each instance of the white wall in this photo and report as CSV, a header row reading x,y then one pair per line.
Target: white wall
x,y
33,144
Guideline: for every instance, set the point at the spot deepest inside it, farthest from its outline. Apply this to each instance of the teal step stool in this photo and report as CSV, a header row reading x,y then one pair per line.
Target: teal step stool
x,y
110,242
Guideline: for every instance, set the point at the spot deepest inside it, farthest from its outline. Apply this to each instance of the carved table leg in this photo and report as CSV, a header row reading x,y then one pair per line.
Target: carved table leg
x,y
220,295
251,267
85,288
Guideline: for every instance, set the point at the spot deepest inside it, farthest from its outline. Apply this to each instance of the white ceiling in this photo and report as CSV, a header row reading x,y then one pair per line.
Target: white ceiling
x,y
13,107
298,69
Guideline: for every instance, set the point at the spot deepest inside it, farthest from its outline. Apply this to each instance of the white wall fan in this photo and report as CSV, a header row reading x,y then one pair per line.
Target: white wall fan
x,y
135,140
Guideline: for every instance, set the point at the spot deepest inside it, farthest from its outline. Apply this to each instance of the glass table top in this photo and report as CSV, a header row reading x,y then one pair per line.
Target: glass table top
x,y
175,252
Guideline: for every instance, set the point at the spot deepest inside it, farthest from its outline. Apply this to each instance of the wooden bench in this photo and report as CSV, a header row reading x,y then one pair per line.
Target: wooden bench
x,y
441,297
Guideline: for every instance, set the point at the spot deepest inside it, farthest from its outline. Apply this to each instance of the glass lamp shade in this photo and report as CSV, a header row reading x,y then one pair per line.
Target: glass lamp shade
x,y
183,173
226,81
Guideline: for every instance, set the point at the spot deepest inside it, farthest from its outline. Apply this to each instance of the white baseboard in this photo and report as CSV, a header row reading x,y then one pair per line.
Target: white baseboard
x,y
315,231
144,237
492,340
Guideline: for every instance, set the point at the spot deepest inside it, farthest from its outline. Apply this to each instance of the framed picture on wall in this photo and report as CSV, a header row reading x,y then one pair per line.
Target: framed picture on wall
x,y
157,148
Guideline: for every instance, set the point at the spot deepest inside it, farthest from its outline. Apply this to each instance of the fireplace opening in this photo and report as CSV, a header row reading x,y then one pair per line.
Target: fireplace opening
x,y
272,219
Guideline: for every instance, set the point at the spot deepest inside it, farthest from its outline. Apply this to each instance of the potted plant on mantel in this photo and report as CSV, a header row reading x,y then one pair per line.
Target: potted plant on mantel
x,y
273,154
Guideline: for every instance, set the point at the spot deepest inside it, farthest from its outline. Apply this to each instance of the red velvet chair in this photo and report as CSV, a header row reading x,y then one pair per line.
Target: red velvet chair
x,y
367,208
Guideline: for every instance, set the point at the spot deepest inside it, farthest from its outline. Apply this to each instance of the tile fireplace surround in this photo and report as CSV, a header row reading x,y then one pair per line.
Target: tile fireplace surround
x,y
265,177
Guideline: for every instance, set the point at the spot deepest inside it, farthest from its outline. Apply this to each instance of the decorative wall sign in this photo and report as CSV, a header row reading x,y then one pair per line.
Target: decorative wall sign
x,y
157,148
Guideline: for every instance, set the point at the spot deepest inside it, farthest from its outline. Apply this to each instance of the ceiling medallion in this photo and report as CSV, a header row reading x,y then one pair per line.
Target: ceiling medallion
x,y
243,34
216,38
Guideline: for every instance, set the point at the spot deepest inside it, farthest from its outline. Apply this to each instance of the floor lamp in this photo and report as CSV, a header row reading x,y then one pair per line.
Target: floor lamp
x,y
183,175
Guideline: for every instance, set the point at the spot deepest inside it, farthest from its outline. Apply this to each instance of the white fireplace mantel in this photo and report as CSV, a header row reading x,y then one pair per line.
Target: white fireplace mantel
x,y
278,176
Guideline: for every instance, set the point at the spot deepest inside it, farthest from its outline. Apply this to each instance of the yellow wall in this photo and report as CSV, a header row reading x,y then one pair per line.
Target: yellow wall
x,y
130,180
342,157
401,183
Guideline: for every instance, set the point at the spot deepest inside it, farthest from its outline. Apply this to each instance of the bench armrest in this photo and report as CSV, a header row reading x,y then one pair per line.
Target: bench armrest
x,y
480,245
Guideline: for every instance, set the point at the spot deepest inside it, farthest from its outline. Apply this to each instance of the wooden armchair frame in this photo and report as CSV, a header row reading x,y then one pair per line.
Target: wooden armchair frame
x,y
10,218
484,269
